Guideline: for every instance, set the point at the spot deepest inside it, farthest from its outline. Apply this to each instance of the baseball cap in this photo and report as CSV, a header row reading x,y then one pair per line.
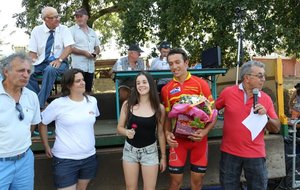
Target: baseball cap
x,y
135,47
164,45
81,11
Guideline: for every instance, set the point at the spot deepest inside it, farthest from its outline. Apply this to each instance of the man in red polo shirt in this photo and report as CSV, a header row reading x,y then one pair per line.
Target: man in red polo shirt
x,y
239,150
184,84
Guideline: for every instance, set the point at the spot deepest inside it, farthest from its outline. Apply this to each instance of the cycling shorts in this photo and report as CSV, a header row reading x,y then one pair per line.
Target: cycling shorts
x,y
198,156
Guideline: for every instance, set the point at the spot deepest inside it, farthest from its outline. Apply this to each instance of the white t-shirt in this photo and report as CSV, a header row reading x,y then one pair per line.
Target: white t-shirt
x,y
74,126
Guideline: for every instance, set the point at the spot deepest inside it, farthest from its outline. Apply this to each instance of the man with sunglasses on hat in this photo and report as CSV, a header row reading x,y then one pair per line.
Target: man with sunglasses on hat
x,y
19,111
49,46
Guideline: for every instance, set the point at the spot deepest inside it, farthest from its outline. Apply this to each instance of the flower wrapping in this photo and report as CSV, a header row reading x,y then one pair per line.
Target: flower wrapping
x,y
191,113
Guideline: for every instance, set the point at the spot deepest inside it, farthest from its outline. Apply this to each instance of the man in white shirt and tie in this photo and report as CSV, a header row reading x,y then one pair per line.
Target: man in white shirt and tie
x,y
49,55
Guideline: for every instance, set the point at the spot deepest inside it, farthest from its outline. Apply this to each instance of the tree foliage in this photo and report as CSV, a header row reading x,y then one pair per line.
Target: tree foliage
x,y
267,25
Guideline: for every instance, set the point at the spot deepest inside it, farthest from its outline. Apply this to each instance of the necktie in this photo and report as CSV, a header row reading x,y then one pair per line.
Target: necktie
x,y
49,44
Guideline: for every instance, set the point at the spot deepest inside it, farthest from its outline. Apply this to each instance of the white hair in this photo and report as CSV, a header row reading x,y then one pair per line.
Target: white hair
x,y
47,10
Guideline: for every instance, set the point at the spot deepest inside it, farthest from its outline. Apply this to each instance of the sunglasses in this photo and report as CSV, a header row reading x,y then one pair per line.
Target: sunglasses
x,y
20,110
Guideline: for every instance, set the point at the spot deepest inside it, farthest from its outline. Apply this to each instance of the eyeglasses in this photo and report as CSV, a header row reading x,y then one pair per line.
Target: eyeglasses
x,y
53,17
260,76
20,110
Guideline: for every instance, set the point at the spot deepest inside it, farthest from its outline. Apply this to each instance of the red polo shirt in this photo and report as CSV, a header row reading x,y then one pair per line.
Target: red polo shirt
x,y
236,137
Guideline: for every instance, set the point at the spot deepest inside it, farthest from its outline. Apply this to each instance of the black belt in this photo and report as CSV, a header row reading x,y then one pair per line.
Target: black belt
x,y
14,158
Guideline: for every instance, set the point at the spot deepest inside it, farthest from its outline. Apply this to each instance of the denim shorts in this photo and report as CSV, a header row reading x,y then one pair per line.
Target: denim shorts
x,y
147,156
67,172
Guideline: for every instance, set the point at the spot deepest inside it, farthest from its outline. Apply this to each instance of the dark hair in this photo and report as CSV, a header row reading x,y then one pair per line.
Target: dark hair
x,y
134,97
297,86
178,51
298,91
68,80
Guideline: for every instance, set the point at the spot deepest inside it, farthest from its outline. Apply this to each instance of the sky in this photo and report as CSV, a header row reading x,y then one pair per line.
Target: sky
x,y
18,38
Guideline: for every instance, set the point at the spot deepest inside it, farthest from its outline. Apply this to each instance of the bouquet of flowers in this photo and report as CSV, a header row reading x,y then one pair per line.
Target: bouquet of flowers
x,y
192,112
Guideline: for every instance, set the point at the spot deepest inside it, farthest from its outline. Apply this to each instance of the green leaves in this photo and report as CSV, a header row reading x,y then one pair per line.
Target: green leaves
x,y
267,25
197,123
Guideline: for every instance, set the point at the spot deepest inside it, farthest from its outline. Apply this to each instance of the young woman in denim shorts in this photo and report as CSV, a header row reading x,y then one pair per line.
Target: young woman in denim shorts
x,y
74,161
141,116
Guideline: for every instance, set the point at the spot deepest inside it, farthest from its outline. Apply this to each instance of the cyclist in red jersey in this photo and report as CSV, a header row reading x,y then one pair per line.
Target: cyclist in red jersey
x,y
184,84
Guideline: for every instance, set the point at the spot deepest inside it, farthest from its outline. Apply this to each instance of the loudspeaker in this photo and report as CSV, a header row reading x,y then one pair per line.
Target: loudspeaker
x,y
211,58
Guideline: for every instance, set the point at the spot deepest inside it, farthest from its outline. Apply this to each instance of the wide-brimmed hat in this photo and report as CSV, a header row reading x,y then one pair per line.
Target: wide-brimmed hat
x,y
135,47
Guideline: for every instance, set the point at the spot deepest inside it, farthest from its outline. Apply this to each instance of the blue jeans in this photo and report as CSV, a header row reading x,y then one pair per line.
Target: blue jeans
x,y
19,174
255,171
49,76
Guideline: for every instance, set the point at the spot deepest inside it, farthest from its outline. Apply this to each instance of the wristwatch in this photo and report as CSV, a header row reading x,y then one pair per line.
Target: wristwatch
x,y
60,60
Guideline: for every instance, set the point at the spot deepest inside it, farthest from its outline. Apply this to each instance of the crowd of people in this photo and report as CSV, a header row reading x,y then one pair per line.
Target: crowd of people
x,y
144,120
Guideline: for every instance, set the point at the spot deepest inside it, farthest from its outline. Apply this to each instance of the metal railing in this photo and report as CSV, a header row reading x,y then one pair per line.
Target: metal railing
x,y
295,172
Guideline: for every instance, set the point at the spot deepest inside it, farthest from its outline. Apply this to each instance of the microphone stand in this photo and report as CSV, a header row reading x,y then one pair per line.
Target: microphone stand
x,y
240,54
